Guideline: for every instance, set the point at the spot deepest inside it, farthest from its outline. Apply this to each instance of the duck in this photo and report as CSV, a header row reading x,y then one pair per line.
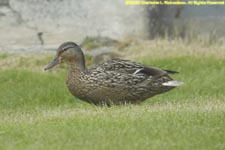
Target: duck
x,y
115,81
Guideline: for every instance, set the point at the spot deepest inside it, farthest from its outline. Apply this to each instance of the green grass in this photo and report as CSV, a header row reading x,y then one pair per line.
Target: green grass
x,y
38,112
129,127
3,56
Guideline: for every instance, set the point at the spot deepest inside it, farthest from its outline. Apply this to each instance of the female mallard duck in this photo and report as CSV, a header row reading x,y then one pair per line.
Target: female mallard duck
x,y
115,81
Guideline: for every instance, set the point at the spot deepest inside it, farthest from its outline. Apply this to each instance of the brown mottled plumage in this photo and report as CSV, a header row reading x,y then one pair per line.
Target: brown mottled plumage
x,y
113,82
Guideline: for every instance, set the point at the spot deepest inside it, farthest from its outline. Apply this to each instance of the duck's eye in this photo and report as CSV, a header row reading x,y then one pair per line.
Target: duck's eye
x,y
62,50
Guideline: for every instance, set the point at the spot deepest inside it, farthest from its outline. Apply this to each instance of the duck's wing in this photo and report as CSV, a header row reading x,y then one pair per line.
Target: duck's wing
x,y
120,65
130,67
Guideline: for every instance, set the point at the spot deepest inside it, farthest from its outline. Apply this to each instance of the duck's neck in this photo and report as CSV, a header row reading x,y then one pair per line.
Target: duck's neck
x,y
77,66
76,71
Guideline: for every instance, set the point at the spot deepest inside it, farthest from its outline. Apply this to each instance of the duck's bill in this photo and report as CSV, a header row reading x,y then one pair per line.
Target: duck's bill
x,y
52,64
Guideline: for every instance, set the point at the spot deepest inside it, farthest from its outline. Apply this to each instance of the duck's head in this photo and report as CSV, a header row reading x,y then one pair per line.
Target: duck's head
x,y
68,52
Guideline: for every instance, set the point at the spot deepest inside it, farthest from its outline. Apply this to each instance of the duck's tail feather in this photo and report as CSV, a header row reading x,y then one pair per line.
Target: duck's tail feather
x,y
173,83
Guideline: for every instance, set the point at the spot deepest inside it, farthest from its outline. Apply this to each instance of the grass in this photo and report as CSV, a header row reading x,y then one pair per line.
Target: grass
x,y
38,112
159,126
3,56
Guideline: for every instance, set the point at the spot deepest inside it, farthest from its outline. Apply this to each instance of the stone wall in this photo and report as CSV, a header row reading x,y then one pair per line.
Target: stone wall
x,y
44,24
32,24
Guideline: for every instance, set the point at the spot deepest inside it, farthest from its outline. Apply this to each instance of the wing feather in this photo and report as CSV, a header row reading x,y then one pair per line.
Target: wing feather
x,y
130,67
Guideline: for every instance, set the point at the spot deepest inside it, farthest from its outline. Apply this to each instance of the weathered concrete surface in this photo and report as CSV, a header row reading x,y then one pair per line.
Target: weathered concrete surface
x,y
44,24
35,24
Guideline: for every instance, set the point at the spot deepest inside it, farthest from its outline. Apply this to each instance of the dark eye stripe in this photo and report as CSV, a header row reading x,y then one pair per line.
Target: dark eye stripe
x,y
65,48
